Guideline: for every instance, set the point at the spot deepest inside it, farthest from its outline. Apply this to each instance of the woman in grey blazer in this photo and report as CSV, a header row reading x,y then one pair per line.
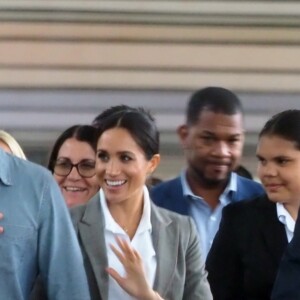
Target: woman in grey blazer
x,y
132,249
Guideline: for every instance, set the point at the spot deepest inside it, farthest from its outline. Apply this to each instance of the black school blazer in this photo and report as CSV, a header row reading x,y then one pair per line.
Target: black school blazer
x,y
245,255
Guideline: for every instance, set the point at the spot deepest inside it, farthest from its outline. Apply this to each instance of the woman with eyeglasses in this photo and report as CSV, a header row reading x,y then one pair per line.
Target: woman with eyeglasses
x,y
72,162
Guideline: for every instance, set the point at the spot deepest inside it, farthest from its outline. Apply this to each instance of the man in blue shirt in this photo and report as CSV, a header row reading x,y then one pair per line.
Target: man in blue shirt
x,y
212,139
38,236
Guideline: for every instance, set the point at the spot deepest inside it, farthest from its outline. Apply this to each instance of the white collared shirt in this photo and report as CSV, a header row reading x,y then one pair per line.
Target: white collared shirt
x,y
141,242
286,219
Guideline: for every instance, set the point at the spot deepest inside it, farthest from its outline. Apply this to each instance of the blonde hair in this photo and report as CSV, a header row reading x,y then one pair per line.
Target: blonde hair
x,y
12,144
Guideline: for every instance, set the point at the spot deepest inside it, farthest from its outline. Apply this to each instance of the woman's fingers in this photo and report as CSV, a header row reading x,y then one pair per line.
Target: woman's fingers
x,y
118,253
126,249
115,275
135,281
137,255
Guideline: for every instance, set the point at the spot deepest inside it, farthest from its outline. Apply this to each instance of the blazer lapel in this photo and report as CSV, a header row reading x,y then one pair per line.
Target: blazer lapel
x,y
165,242
273,231
91,231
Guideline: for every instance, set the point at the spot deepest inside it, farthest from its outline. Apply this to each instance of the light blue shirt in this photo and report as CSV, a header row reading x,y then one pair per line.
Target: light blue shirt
x,y
38,235
206,219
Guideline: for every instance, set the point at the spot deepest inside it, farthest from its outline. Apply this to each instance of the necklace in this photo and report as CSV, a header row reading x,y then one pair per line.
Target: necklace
x,y
125,229
131,226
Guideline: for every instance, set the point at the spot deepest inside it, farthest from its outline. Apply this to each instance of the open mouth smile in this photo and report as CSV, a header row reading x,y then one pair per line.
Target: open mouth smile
x,y
74,189
115,183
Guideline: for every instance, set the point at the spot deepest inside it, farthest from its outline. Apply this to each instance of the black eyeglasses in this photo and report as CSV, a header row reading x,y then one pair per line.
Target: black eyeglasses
x,y
85,168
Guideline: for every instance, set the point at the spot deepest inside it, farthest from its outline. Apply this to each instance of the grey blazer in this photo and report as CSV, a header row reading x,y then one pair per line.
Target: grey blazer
x,y
180,269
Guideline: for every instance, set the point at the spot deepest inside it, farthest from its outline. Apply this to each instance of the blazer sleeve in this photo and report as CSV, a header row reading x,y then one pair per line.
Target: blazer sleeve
x,y
223,264
195,288
287,283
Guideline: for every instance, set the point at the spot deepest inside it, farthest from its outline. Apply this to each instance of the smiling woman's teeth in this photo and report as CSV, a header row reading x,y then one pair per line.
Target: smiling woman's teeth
x,y
115,182
73,189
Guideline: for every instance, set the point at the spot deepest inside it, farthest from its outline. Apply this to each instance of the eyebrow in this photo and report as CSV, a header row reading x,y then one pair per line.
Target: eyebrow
x,y
212,133
63,158
283,156
82,160
119,152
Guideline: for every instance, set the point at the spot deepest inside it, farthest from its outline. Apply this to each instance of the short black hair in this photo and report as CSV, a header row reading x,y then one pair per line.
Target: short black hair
x,y
215,99
286,125
82,133
242,171
138,122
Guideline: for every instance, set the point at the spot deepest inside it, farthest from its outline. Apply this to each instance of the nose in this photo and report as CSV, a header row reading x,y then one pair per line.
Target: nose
x,y
221,149
74,174
112,168
267,170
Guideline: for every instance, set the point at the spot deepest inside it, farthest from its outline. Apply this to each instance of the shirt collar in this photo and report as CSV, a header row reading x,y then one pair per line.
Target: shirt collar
x,y
113,226
284,217
231,186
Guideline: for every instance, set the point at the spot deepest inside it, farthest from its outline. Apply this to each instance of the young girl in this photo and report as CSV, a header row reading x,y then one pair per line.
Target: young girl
x,y
253,235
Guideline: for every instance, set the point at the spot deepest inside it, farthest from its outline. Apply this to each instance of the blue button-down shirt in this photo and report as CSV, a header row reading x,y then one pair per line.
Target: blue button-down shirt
x,y
38,235
206,219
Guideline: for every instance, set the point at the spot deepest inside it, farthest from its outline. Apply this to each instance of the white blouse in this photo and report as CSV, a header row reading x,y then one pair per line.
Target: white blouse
x,y
286,219
141,242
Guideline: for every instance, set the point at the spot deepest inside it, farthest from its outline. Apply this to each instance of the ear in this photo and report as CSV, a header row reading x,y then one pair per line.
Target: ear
x,y
183,132
153,163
